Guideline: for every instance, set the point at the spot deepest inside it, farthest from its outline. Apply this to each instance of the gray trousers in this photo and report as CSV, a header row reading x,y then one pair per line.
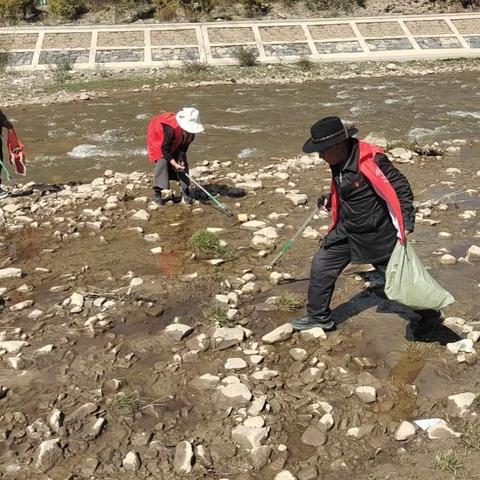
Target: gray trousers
x,y
327,264
164,173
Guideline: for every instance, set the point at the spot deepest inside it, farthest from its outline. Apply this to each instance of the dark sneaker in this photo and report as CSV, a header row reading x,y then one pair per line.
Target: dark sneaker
x,y
306,323
159,200
3,193
187,199
424,329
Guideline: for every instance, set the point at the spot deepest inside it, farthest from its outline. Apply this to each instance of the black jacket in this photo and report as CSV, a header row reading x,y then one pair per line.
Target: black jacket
x,y
363,216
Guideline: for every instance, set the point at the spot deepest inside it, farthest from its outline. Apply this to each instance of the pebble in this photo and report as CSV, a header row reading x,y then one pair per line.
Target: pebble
x,y
459,405
473,254
404,431
183,460
48,454
366,394
298,354
448,259
131,462
141,215
285,475
232,395
441,431
178,331
18,307
249,437
235,364
280,334
10,273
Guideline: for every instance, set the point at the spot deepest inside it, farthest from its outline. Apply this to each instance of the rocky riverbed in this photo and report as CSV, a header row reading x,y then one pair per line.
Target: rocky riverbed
x,y
127,353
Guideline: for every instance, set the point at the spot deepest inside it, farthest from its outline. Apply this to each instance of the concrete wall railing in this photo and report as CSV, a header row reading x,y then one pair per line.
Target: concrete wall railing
x,y
159,45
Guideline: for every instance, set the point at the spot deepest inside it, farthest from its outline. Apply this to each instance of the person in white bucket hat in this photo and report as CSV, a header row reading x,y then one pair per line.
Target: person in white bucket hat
x,y
168,137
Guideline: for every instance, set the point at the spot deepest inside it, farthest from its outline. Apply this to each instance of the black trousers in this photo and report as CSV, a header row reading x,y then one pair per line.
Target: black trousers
x,y
327,264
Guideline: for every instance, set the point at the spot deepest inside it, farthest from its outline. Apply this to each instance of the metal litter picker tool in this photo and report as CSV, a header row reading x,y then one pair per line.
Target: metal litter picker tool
x,y
219,204
290,243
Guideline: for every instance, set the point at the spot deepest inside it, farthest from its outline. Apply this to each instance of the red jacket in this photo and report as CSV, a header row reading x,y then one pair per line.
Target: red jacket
x,y
155,135
383,188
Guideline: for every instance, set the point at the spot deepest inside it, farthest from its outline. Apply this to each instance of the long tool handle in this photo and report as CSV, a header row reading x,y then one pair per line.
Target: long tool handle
x,y
210,196
290,243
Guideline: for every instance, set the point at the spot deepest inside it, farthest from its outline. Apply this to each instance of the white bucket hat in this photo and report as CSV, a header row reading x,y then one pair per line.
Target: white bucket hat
x,y
189,119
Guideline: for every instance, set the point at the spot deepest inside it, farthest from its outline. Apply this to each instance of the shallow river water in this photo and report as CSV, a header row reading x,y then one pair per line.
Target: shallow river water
x,y
79,141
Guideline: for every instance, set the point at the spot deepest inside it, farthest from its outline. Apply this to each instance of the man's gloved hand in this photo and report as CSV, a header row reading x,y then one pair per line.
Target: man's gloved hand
x,y
324,201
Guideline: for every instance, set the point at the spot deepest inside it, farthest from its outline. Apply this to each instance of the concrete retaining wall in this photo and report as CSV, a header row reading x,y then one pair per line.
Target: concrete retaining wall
x,y
159,45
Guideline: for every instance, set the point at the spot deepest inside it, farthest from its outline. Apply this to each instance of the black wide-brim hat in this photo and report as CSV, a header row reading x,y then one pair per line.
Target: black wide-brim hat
x,y
326,133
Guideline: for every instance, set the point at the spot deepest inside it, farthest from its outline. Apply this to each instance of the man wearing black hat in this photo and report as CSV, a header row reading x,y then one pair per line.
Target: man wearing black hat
x,y
372,206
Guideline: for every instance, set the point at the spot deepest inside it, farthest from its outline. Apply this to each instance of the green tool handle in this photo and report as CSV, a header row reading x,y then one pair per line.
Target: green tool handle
x,y
289,244
209,195
7,171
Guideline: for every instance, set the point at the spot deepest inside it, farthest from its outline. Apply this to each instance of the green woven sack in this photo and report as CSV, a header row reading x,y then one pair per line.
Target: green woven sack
x,y
409,283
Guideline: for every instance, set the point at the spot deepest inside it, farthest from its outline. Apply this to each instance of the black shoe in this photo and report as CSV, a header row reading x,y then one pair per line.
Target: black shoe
x,y
187,197
306,323
159,200
3,193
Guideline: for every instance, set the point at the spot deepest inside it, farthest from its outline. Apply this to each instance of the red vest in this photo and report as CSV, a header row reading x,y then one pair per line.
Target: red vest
x,y
383,188
155,135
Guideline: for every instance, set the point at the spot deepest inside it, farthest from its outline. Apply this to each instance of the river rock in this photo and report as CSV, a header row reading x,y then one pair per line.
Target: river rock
x,y
360,432
311,233
260,456
459,405
297,198
178,331
76,300
55,420
224,337
270,233
48,454
253,225
183,460
285,475
232,395
18,307
404,431
249,437
465,346
326,423
314,437
298,354
10,273
442,431
448,259
265,375
131,462
235,364
313,334
141,215
473,254
366,394
280,334
13,346
94,429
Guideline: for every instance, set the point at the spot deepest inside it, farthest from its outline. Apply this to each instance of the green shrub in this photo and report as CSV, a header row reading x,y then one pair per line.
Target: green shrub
x,y
194,67
62,70
166,9
305,64
290,302
246,57
12,10
218,314
208,244
67,9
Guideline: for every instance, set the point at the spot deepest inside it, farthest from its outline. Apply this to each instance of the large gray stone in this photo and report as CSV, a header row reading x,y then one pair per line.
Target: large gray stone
x,y
249,437
48,454
280,334
459,405
232,395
